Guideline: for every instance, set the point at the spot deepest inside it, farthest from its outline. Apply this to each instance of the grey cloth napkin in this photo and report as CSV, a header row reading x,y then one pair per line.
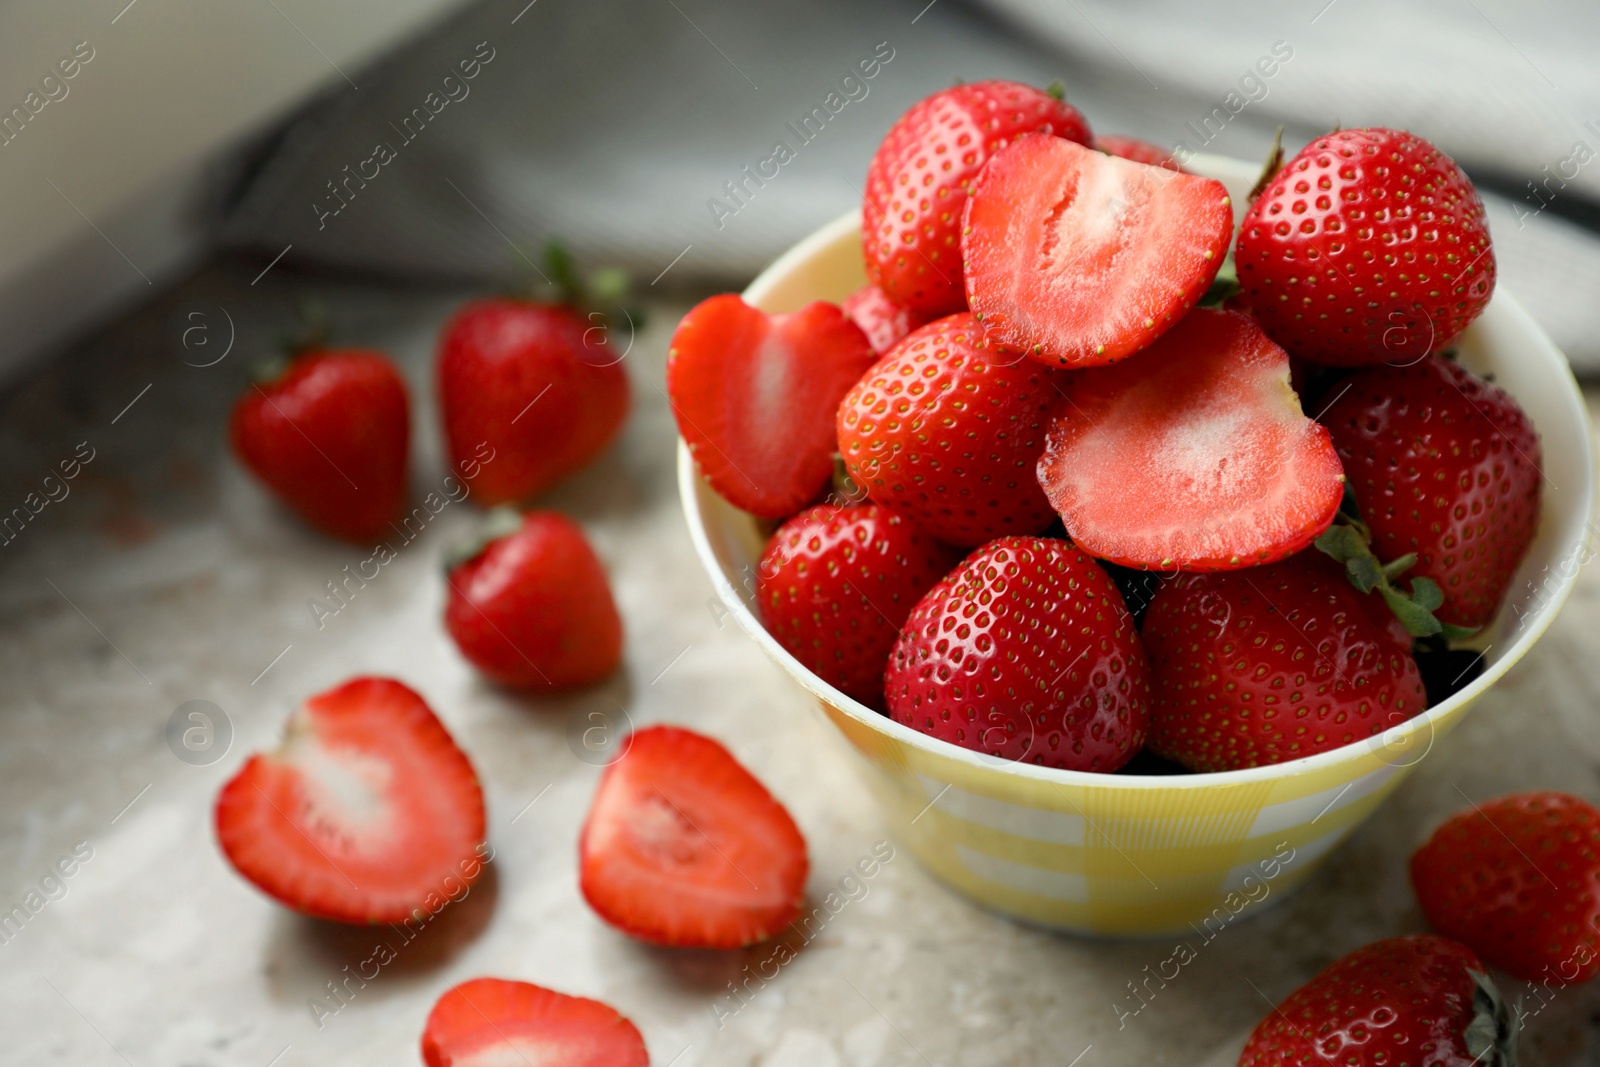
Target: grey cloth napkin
x,y
691,141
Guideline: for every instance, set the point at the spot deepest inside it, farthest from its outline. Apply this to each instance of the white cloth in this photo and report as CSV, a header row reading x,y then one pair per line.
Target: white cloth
x,y
617,126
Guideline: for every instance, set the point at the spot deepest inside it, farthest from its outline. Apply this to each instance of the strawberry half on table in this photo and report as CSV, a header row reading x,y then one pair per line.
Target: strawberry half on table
x,y
1518,881
754,396
919,178
948,432
835,584
329,435
495,1022
684,847
1192,455
1447,466
367,813
530,605
1369,247
538,388
1419,1000
1025,652
1078,258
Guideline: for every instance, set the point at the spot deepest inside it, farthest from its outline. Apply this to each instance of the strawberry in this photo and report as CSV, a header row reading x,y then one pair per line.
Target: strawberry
x,y
1369,247
881,319
755,395
540,386
1079,258
684,847
1193,454
1024,652
489,1021
530,605
1273,663
918,181
1518,881
329,436
367,813
1420,1000
1447,466
1139,151
948,433
835,584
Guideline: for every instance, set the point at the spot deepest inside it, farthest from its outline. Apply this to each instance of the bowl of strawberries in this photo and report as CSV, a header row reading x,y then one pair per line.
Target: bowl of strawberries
x,y
1140,527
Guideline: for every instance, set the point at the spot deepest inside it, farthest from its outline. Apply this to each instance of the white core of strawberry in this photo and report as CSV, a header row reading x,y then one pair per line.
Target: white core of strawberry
x,y
344,789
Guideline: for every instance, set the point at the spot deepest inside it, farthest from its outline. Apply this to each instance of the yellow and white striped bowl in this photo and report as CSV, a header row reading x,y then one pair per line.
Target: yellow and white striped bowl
x,y
1120,855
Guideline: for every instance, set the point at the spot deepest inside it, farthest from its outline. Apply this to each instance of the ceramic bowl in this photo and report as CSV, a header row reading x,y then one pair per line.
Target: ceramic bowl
x,y
1129,855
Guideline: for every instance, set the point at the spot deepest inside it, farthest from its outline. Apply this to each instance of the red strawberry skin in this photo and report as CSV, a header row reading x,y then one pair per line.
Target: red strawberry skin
x,y
1518,881
881,319
1273,663
1024,652
534,609
367,813
497,1021
1446,465
1407,1000
539,384
755,396
835,584
1192,454
948,433
684,847
330,438
918,181
1369,247
1078,258
1138,151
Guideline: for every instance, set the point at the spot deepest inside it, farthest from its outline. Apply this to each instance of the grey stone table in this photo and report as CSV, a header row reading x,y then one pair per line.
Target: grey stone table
x,y
162,576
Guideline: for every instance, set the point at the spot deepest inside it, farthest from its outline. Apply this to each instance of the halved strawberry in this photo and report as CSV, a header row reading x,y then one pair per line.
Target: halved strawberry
x,y
367,813
1194,454
755,396
1079,258
495,1022
684,847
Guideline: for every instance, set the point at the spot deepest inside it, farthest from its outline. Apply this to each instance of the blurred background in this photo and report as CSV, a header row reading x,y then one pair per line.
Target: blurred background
x,y
178,178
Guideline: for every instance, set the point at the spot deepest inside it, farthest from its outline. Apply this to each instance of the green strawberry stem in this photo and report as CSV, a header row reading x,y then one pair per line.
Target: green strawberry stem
x,y
1270,167
1056,90
1492,1035
605,290
1350,542
500,522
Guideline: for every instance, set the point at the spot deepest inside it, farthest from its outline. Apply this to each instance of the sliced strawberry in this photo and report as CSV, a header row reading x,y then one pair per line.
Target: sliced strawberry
x,y
684,847
366,813
1080,258
1136,150
1193,455
494,1022
881,319
755,396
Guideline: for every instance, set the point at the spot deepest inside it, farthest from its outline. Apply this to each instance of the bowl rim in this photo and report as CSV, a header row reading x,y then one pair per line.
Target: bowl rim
x,y
690,484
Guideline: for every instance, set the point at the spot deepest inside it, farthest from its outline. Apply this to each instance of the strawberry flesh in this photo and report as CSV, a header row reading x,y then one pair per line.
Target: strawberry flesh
x,y
1192,455
367,813
1078,258
755,395
494,1022
684,847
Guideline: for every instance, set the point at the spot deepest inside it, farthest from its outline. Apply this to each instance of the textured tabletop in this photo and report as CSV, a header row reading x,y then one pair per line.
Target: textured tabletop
x,y
162,575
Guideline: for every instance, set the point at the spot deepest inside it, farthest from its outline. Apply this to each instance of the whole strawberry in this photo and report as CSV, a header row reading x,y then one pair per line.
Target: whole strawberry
x,y
1369,247
881,319
918,181
1423,1000
949,433
835,584
1274,663
1114,144
1024,652
540,387
531,607
1518,880
329,436
1447,466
